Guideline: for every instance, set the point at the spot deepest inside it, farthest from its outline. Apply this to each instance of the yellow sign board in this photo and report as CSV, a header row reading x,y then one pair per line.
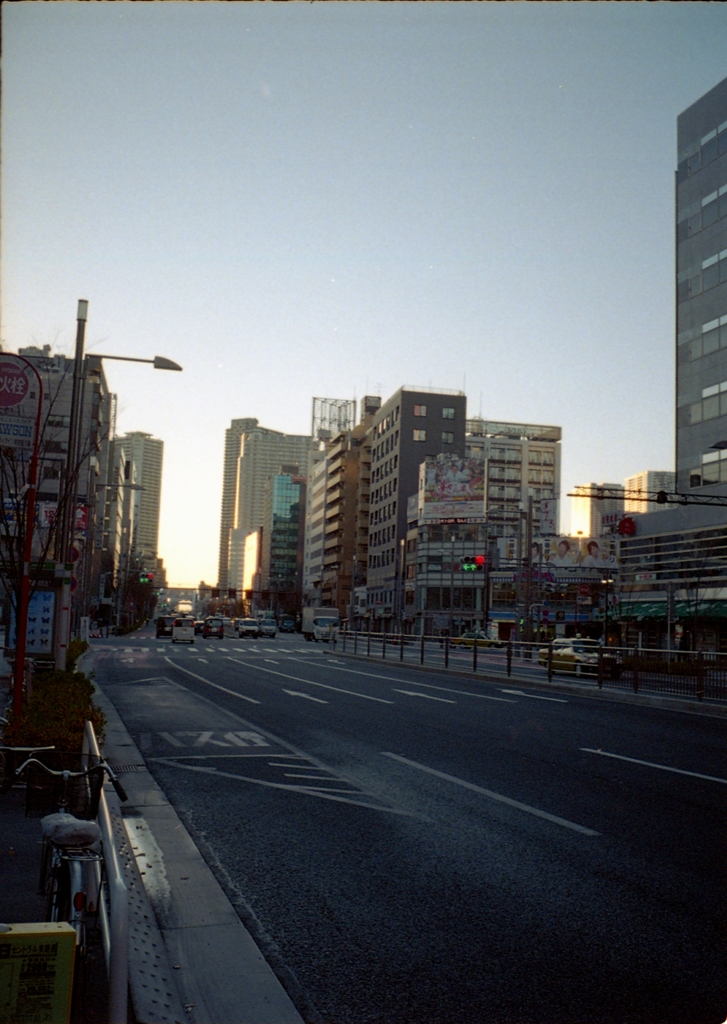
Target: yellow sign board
x,y
36,973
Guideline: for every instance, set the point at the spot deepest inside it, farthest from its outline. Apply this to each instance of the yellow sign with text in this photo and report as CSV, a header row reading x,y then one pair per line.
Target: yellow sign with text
x,y
36,973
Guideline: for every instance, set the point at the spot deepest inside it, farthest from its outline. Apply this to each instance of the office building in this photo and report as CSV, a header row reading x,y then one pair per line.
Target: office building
x,y
593,516
261,454
701,232
281,562
233,438
648,482
145,453
412,425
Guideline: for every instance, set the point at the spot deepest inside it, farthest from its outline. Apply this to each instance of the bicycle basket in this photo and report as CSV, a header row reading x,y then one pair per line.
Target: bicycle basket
x,y
44,793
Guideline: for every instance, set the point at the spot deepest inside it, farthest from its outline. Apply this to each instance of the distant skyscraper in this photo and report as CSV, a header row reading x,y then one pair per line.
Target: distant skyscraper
x,y
701,230
649,481
593,516
233,438
260,454
146,454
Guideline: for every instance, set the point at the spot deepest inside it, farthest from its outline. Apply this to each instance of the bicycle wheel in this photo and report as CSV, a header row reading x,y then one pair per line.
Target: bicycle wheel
x,y
58,906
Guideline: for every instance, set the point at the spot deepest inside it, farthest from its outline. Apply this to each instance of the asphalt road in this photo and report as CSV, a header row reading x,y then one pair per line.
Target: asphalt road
x,y
421,848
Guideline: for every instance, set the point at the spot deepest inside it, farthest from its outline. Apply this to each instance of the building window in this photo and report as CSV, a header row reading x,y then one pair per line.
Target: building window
x,y
447,413
420,435
420,410
447,437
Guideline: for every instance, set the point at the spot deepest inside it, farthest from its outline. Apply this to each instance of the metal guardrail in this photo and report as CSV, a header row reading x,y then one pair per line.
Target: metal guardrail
x,y
114,918
692,675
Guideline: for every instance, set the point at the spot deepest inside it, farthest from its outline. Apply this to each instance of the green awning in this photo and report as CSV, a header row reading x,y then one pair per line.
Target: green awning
x,y
682,610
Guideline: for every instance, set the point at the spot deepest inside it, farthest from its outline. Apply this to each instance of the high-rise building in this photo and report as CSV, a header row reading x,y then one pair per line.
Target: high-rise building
x,y
701,232
593,516
648,481
281,562
145,453
233,438
261,454
412,425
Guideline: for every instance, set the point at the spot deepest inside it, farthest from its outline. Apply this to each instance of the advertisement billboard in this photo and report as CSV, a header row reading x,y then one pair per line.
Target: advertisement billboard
x,y
453,490
600,553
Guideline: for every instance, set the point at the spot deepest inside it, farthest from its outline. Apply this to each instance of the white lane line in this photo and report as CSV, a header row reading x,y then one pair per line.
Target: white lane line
x,y
428,686
305,790
535,696
209,682
651,764
271,661
296,693
427,696
493,796
319,778
204,661
309,682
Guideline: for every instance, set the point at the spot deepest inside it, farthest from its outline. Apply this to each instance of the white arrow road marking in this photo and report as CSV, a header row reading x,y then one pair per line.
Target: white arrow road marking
x,y
296,693
650,764
428,696
493,796
535,696
209,682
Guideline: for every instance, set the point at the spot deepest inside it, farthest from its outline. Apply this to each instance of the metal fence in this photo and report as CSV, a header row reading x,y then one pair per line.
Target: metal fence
x,y
694,675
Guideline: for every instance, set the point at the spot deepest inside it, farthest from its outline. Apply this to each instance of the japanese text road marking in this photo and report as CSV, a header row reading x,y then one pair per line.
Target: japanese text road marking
x,y
493,796
202,738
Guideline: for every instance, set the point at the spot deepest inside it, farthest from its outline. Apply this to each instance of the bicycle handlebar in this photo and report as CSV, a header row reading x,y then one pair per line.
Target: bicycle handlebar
x,y
65,773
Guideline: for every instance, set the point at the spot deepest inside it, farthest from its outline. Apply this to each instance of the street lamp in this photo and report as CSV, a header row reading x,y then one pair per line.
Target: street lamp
x,y
66,540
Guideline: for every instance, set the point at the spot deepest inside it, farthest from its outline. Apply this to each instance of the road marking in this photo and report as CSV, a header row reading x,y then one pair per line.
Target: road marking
x,y
202,738
127,661
493,796
204,661
209,682
309,682
535,696
427,696
319,778
306,790
296,693
428,686
271,661
651,764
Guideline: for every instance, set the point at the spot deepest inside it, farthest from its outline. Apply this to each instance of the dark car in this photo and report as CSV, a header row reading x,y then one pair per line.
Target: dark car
x,y
199,626
287,626
214,627
165,624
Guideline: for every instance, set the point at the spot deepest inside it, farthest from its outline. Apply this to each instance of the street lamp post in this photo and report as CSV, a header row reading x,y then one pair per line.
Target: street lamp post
x,y
66,540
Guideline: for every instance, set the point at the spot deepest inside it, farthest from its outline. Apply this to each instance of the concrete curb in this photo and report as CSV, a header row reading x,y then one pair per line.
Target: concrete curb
x,y
191,959
616,696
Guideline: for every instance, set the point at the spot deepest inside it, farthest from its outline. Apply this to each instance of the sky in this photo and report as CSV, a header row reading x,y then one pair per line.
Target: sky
x,y
337,199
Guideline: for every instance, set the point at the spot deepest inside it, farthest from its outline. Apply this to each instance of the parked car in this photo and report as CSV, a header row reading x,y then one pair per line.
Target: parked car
x,y
580,656
213,627
183,631
199,626
248,627
268,628
287,626
476,636
165,624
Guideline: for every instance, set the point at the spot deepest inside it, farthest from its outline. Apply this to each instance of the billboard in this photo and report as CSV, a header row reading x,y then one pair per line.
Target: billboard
x,y
452,489
600,553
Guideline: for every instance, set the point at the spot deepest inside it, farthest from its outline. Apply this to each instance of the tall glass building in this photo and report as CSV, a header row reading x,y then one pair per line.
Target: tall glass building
x,y
282,549
701,231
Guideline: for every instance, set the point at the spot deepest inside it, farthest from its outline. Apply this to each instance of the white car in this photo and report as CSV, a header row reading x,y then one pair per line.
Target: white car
x,y
268,627
183,631
248,627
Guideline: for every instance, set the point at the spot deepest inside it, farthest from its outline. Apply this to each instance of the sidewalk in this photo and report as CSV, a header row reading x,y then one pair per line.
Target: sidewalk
x,y
191,960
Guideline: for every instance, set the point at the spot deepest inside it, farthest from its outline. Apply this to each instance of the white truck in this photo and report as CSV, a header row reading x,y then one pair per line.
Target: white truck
x,y
320,623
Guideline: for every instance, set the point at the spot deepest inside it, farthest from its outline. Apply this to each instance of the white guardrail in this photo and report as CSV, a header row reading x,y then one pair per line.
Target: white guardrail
x,y
114,918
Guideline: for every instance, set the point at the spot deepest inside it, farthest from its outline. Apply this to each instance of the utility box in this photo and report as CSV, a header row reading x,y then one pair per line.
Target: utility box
x,y
36,972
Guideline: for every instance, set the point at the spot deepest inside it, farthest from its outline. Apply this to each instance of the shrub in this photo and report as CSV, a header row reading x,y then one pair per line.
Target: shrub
x,y
56,713
76,648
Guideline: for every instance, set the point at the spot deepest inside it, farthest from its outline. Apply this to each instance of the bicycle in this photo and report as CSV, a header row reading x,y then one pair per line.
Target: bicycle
x,y
71,838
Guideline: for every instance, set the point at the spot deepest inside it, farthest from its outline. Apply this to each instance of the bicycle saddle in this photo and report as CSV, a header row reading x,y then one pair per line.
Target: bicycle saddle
x,y
67,831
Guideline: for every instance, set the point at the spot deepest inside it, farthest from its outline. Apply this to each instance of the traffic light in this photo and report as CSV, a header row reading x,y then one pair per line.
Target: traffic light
x,y
146,577
232,594
215,591
473,563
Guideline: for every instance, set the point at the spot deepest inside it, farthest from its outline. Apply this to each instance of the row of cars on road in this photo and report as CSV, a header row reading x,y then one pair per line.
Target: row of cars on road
x,y
579,655
184,628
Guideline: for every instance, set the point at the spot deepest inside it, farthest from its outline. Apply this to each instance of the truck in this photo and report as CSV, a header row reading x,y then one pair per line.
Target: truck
x,y
320,624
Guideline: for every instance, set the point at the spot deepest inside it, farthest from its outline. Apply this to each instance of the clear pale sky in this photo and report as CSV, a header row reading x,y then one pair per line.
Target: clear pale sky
x,y
335,199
